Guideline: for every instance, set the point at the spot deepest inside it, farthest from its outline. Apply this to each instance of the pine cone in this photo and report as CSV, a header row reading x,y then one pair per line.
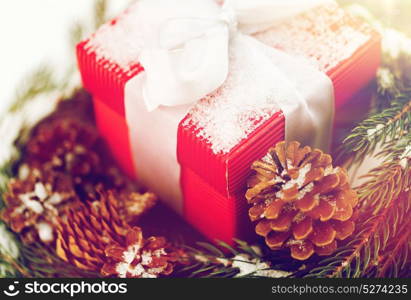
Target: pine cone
x,y
89,235
64,145
129,205
33,204
72,146
132,205
139,258
300,200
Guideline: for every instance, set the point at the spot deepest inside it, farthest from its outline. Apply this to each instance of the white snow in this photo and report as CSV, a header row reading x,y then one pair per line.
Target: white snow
x,y
255,267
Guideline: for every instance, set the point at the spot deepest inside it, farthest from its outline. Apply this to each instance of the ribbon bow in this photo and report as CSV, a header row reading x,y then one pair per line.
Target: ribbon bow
x,y
192,48
187,42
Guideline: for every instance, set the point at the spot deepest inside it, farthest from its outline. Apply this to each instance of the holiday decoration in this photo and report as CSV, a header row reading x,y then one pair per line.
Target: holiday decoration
x,y
242,260
74,155
67,210
34,203
71,145
231,119
300,200
139,258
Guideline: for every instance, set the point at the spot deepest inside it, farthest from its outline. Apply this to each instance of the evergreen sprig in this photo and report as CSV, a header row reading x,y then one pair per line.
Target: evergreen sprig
x,y
42,262
41,80
225,261
381,244
9,253
389,125
390,116
206,260
384,184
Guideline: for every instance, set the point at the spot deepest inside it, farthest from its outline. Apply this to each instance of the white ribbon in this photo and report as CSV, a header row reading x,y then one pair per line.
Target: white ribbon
x,y
186,56
186,42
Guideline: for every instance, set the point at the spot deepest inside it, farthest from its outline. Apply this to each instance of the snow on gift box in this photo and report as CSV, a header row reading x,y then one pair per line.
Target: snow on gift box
x,y
217,138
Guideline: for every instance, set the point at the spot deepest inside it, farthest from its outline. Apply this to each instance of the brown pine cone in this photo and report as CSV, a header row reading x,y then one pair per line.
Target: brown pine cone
x,y
300,200
72,146
85,233
132,205
88,236
33,203
129,205
64,145
139,258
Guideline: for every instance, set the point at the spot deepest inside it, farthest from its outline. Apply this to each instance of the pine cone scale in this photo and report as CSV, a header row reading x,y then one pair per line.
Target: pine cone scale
x,y
324,211
322,235
343,229
327,249
283,222
115,252
302,229
275,239
274,209
263,228
302,251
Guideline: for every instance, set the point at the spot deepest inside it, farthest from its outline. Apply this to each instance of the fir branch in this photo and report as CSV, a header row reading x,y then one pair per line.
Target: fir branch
x,y
225,261
42,262
204,261
80,29
100,13
383,184
9,254
77,33
384,207
394,233
13,267
390,117
398,255
387,126
397,151
41,80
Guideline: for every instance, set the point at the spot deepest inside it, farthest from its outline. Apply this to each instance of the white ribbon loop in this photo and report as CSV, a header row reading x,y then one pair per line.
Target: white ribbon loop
x,y
185,53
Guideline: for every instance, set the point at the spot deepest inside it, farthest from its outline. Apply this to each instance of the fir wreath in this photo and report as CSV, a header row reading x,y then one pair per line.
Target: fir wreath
x,y
379,247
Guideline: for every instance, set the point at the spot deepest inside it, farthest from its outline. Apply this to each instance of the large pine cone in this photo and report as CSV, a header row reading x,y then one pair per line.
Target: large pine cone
x,y
91,237
300,200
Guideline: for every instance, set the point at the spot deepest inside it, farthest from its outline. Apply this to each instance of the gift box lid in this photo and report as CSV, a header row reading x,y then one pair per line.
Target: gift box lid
x,y
328,36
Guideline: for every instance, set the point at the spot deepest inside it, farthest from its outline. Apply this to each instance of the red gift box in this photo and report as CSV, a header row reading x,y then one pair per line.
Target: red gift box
x,y
213,185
